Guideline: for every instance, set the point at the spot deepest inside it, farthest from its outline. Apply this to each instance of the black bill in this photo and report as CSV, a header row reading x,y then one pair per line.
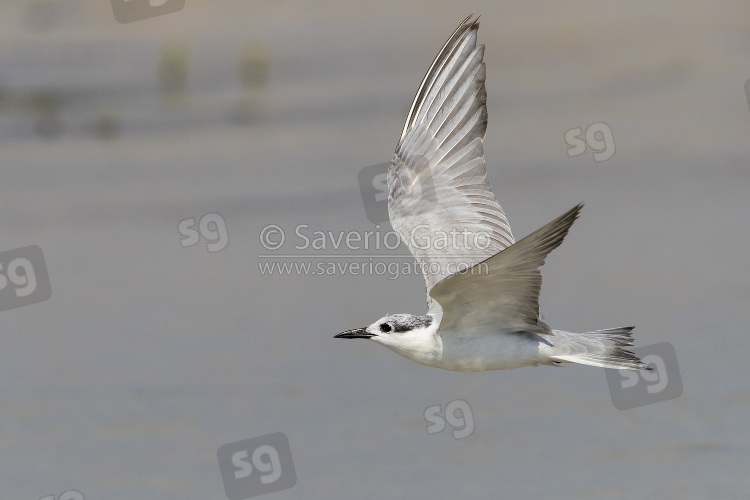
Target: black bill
x,y
357,333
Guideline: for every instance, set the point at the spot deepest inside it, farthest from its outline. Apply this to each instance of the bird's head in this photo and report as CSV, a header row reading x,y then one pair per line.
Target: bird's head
x,y
403,333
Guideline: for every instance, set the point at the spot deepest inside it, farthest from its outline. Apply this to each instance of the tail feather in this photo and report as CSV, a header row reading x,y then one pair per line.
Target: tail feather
x,y
600,348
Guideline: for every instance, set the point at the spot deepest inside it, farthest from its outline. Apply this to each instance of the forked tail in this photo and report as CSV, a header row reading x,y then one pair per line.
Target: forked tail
x,y
600,348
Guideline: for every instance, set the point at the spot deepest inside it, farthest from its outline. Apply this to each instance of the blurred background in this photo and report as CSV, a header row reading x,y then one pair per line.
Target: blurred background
x,y
155,349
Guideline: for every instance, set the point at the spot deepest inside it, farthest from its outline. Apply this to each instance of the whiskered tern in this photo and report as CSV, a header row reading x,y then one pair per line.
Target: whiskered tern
x,y
482,289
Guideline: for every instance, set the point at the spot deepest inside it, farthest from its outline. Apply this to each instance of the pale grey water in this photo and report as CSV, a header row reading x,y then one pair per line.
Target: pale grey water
x,y
149,356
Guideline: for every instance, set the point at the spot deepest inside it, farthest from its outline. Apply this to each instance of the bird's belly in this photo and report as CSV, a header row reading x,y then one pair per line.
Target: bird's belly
x,y
495,352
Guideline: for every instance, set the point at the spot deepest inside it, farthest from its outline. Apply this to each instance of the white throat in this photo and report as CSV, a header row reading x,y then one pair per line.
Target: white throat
x,y
422,345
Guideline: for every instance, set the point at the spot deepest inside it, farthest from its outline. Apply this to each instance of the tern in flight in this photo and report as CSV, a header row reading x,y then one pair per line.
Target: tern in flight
x,y
482,286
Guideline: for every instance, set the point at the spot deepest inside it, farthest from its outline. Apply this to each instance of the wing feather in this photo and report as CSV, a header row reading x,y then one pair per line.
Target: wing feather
x,y
435,71
502,292
437,180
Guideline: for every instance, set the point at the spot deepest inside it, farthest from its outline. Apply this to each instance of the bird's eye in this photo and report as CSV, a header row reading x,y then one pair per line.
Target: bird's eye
x,y
385,327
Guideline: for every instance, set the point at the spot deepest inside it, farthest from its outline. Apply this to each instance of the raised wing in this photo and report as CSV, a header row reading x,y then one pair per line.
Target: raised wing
x,y
439,200
501,294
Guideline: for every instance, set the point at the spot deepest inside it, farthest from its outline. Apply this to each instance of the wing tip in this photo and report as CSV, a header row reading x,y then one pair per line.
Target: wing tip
x,y
566,220
573,213
473,23
468,25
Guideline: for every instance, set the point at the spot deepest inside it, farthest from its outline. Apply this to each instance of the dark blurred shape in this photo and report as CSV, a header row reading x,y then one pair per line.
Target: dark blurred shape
x,y
254,63
3,97
246,110
172,69
253,72
106,126
46,105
